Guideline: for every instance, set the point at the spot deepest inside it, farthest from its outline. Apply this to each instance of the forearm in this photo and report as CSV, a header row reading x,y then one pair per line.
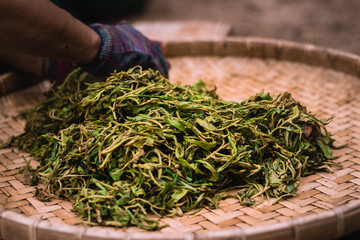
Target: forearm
x,y
40,28
34,31
24,62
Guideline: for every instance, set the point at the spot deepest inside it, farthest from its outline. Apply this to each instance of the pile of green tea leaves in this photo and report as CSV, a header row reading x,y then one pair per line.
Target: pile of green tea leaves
x,y
136,144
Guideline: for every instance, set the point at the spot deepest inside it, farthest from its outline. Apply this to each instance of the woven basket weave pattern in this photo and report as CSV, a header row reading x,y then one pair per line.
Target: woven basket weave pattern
x,y
326,93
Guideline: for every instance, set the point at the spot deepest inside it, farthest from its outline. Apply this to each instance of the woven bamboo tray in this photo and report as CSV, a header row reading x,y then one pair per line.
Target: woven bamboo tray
x,y
327,205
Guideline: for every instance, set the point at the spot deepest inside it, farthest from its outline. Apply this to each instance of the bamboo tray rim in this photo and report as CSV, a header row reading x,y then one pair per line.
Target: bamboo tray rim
x,y
268,48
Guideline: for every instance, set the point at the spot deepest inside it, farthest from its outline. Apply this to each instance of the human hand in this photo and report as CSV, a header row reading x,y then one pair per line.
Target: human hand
x,y
123,47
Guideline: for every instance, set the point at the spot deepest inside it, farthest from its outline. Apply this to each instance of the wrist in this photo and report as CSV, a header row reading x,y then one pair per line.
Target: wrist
x,y
92,49
98,64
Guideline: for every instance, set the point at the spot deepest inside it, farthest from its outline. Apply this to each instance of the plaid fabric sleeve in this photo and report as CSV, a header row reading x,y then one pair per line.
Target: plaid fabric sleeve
x,y
123,47
57,70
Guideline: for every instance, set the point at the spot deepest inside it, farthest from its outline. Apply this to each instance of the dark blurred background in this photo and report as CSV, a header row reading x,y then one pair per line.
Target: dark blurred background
x,y
329,23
